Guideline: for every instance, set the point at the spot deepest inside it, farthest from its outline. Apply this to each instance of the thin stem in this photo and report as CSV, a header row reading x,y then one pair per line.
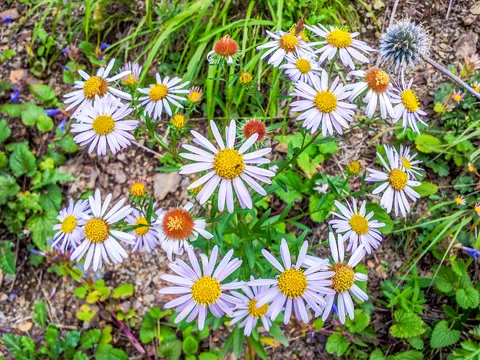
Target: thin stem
x,y
452,76
394,10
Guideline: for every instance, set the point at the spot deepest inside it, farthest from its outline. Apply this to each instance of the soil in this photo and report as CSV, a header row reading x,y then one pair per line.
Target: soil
x,y
113,174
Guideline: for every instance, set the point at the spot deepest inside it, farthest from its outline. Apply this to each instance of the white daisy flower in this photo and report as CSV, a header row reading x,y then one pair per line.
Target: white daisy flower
x,y
343,280
97,85
356,226
103,124
322,104
177,227
229,168
396,184
294,288
378,86
160,95
247,311
283,43
407,107
408,162
202,289
301,66
134,70
101,241
146,233
69,230
338,40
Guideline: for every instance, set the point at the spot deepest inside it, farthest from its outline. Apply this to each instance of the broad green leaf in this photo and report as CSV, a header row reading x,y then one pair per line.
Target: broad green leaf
x,y
190,345
12,110
44,123
407,324
172,350
68,145
40,313
442,336
3,160
416,342
337,344
446,279
85,313
8,188
467,298
427,143
41,227
212,356
80,356
4,131
51,335
360,321
22,161
71,339
106,336
7,257
381,215
407,355
51,197
31,113
43,93
123,291
108,352
90,338
426,189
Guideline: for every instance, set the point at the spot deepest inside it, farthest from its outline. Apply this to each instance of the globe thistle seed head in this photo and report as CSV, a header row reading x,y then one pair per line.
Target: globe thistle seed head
x,y
404,44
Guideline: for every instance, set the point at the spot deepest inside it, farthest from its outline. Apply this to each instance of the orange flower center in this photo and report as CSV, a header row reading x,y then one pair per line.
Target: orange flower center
x,y
178,224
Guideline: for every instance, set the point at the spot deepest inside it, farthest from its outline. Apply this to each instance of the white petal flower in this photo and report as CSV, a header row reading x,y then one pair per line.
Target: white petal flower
x,y
228,167
294,289
202,288
407,107
101,241
337,40
396,183
146,233
321,104
177,227
132,71
246,313
283,43
103,125
160,95
408,162
356,226
301,66
343,280
70,230
92,86
377,85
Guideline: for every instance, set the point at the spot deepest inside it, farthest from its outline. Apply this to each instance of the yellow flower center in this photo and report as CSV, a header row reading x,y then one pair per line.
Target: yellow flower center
x,y
138,189
410,100
95,86
69,224
470,168
245,77
354,167
344,277
303,65
459,200
158,92
228,163
289,42
339,38
406,163
206,291
130,80
476,208
97,230
397,179
103,124
256,312
377,80
142,230
178,120
359,224
194,96
476,87
325,101
292,283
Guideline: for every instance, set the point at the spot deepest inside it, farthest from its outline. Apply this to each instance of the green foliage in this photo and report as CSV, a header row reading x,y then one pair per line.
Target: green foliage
x,y
337,344
407,324
40,313
443,336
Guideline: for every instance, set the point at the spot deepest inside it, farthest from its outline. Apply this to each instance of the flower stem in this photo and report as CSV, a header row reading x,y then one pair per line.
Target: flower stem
x,y
452,76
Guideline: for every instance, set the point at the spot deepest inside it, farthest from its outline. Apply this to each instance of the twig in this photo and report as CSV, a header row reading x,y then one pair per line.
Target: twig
x,y
147,149
452,76
449,8
392,15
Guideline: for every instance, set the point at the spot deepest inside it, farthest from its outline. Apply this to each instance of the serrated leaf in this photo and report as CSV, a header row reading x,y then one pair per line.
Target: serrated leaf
x,y
427,143
8,188
90,338
85,313
7,257
40,313
51,335
442,336
467,298
360,321
41,227
4,131
106,336
123,291
172,350
337,344
376,355
446,279
71,339
407,355
416,342
22,161
108,352
190,345
426,189
407,324
68,145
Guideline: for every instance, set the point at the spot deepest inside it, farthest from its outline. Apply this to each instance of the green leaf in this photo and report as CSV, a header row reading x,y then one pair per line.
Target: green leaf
x,y
212,356
190,345
8,188
337,344
467,298
381,215
51,197
427,143
278,335
80,356
67,144
3,160
376,355
407,324
90,338
320,206
360,321
51,335
22,161
81,292
43,93
27,343
71,339
172,350
85,313
442,336
44,123
7,257
148,329
31,113
12,110
40,313
108,352
416,342
41,227
106,336
446,279
407,355
123,290
426,189
4,131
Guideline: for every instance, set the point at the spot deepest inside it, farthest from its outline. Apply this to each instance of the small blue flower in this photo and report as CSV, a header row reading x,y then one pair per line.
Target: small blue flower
x,y
100,57
334,308
65,67
15,96
472,252
104,46
7,19
62,124
52,112
36,252
65,51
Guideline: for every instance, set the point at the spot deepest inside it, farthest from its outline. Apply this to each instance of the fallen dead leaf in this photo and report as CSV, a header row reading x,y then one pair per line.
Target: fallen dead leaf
x,y
16,76
25,326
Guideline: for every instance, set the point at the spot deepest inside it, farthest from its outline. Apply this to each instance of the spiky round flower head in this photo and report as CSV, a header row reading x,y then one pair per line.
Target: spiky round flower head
x,y
225,49
138,188
178,120
253,126
404,44
354,167
195,94
245,77
202,288
460,200
132,78
457,96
